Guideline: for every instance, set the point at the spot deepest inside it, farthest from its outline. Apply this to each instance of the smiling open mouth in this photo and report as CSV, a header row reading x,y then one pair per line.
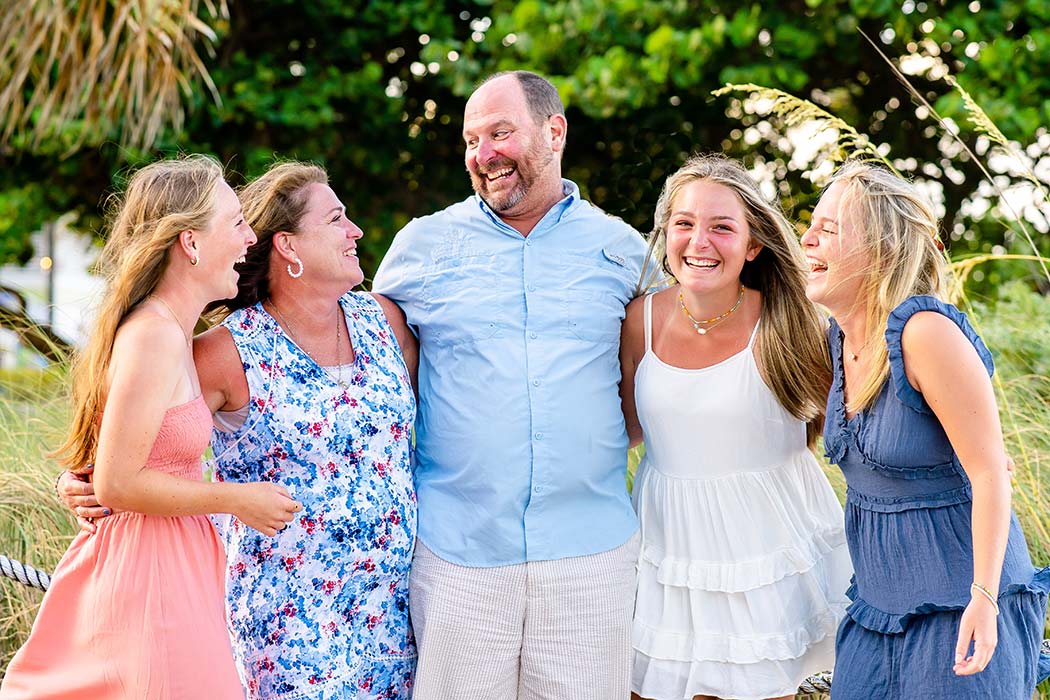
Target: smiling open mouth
x,y
499,174
700,263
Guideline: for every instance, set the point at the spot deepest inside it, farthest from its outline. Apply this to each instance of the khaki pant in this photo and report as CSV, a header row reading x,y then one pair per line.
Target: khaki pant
x,y
548,630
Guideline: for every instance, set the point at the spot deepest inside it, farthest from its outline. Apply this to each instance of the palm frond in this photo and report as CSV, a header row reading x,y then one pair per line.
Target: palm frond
x,y
795,111
90,69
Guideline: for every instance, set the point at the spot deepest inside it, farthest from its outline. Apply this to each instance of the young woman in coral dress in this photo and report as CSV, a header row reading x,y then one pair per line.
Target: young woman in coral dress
x,y
135,608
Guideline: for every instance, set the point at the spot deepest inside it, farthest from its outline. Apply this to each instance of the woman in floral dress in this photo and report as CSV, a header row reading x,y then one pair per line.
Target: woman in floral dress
x,y
312,385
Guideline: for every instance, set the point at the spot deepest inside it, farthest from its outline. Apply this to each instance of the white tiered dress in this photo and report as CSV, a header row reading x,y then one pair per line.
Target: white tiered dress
x,y
744,566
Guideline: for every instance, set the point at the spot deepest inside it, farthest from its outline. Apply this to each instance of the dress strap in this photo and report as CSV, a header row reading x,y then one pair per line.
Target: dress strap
x,y
754,333
647,307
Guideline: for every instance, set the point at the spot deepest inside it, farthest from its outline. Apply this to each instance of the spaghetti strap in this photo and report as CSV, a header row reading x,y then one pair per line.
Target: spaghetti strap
x,y
647,306
754,333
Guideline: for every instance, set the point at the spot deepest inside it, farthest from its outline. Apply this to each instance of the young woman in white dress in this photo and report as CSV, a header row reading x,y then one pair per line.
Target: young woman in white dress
x,y
744,566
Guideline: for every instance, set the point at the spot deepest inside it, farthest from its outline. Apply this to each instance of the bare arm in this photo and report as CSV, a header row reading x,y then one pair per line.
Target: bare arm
x,y
145,373
632,347
405,338
942,364
219,369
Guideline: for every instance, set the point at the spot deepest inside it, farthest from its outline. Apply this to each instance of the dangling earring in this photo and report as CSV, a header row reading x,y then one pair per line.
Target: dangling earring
x,y
296,275
194,260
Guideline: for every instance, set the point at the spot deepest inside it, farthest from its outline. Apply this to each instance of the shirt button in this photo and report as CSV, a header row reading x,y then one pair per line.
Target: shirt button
x,y
537,488
534,335
538,436
535,382
532,288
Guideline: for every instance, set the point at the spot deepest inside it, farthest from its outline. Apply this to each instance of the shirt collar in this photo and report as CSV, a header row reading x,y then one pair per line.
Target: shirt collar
x,y
569,201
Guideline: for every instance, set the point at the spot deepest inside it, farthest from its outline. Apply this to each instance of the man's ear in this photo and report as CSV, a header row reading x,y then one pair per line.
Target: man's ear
x,y
558,128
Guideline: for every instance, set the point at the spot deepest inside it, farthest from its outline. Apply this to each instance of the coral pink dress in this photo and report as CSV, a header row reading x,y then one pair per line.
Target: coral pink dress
x,y
135,610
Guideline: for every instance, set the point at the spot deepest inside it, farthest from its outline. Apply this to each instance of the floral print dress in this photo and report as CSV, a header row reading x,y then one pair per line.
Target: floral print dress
x,y
320,611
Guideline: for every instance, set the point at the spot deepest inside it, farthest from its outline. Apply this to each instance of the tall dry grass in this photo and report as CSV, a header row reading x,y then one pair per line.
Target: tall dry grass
x,y
34,527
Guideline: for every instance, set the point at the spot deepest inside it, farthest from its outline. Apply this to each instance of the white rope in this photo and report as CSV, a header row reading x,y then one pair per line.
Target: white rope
x,y
26,575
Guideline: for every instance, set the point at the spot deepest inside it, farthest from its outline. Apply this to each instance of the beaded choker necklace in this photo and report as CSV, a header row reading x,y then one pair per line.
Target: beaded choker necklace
x,y
702,326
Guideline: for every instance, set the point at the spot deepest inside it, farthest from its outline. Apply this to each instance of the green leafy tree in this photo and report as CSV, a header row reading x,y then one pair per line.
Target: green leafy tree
x,y
374,91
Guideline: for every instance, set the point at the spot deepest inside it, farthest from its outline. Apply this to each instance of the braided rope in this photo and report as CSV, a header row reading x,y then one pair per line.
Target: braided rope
x,y
24,574
817,683
27,575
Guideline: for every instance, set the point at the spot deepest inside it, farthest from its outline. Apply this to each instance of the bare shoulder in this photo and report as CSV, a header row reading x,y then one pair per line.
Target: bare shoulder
x,y
148,338
215,350
392,310
927,330
938,354
148,350
632,333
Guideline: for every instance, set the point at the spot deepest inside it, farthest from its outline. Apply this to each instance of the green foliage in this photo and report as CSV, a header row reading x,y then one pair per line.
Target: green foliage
x,y
374,91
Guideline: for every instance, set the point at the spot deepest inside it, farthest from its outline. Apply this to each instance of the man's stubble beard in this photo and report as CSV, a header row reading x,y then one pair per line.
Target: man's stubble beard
x,y
538,160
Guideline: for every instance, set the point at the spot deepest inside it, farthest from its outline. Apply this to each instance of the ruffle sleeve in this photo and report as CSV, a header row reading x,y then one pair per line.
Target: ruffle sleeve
x,y
895,327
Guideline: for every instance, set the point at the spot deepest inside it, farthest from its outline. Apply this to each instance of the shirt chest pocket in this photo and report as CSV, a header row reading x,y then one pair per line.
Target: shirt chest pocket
x,y
590,315
592,294
467,300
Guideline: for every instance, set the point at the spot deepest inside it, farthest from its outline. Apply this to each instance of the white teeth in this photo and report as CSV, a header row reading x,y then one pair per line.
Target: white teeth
x,y
240,259
817,265
499,173
701,263
350,254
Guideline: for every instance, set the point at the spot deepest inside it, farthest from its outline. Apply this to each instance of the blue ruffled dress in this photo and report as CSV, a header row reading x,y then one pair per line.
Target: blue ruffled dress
x,y
908,526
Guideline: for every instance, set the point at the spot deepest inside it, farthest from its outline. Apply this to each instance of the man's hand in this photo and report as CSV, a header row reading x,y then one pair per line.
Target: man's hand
x,y
79,496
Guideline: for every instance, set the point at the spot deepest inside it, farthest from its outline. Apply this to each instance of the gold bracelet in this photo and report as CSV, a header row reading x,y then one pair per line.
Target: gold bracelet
x,y
987,594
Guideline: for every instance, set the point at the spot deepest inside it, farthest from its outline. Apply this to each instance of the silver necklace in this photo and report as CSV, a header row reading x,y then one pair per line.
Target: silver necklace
x,y
338,376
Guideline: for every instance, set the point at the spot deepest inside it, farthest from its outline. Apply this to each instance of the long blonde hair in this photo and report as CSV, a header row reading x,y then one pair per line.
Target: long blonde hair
x,y
160,201
274,202
899,237
791,338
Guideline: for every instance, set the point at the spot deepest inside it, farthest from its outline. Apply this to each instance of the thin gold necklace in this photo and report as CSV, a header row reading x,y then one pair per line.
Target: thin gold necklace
x,y
854,355
338,377
702,326
174,316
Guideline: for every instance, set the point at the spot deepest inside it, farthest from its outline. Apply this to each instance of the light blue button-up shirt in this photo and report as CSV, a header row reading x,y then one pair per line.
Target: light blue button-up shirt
x,y
520,439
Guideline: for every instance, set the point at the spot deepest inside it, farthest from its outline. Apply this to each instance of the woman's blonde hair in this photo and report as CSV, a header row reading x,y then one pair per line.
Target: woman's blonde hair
x,y
273,203
791,338
898,230
160,201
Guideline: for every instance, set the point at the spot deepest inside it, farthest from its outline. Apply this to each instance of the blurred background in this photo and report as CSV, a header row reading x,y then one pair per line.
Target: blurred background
x,y
374,91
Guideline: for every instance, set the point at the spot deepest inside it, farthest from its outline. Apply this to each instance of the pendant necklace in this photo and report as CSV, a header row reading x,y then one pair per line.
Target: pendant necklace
x,y
338,376
702,326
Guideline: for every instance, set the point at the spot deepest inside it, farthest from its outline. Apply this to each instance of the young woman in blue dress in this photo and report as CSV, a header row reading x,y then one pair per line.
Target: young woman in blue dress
x,y
945,601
